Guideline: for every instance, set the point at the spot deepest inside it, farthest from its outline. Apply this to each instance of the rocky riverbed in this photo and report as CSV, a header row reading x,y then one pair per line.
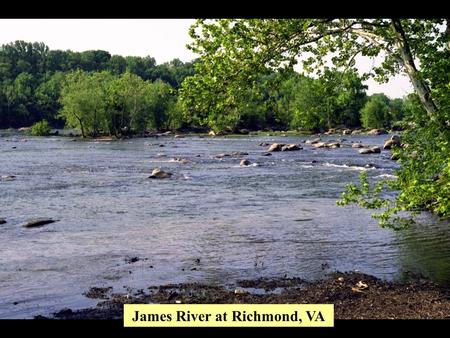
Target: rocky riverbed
x,y
354,295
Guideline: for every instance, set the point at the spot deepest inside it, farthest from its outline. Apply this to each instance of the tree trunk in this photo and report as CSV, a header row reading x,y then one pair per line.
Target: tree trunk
x,y
447,32
421,88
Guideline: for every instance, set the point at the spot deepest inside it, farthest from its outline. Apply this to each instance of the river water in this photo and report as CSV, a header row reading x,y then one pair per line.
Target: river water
x,y
278,218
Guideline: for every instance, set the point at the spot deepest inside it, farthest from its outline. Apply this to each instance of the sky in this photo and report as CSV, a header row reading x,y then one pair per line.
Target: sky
x,y
163,39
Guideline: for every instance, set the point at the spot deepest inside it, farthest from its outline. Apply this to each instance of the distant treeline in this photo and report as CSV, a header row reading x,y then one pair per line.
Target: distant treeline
x,y
32,75
99,93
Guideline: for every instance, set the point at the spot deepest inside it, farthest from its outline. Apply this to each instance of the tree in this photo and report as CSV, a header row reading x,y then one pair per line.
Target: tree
x,y
234,53
127,107
84,101
376,113
47,96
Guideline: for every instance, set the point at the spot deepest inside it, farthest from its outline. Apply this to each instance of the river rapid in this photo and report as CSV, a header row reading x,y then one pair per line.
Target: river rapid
x,y
213,221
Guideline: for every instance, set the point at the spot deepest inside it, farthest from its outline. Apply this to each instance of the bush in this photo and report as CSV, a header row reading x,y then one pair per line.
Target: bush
x,y
41,128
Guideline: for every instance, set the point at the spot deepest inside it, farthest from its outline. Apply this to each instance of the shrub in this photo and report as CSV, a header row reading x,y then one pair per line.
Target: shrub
x,y
41,128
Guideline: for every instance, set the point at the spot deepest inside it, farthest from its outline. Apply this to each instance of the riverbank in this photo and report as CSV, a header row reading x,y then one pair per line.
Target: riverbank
x,y
354,295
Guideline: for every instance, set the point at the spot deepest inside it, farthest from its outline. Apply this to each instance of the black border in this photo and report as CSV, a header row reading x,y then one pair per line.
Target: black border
x,y
115,328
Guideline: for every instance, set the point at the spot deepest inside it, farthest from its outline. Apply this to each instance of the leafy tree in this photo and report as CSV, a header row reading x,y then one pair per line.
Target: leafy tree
x,y
376,113
160,101
127,106
84,101
234,53
47,97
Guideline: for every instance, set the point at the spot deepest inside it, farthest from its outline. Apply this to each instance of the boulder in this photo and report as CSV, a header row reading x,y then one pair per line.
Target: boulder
x,y
276,147
244,163
333,145
319,145
372,150
327,145
2,221
313,141
393,141
244,131
212,133
346,132
179,136
290,147
37,222
160,174
358,145
376,132
356,132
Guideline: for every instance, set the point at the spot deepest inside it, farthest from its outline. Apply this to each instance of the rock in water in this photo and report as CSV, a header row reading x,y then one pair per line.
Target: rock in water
x,y
393,141
37,222
290,147
275,147
373,150
7,177
244,163
313,141
376,132
239,153
222,155
358,145
158,173
2,221
327,145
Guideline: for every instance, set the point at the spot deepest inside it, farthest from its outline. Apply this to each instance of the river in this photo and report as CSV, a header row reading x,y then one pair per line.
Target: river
x,y
213,221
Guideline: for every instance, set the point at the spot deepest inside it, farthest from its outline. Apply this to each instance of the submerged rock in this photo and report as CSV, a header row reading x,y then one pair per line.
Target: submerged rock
x,y
239,153
266,154
7,178
245,163
2,221
222,155
160,174
372,150
37,222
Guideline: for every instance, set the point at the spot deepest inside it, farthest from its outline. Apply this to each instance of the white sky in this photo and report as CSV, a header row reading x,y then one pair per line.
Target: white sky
x,y
163,39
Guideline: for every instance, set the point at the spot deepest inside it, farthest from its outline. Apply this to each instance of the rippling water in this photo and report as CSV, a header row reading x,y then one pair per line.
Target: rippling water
x,y
278,218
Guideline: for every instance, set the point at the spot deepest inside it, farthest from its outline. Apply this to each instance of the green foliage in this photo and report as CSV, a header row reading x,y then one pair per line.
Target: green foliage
x,y
236,53
31,78
84,100
376,112
41,128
